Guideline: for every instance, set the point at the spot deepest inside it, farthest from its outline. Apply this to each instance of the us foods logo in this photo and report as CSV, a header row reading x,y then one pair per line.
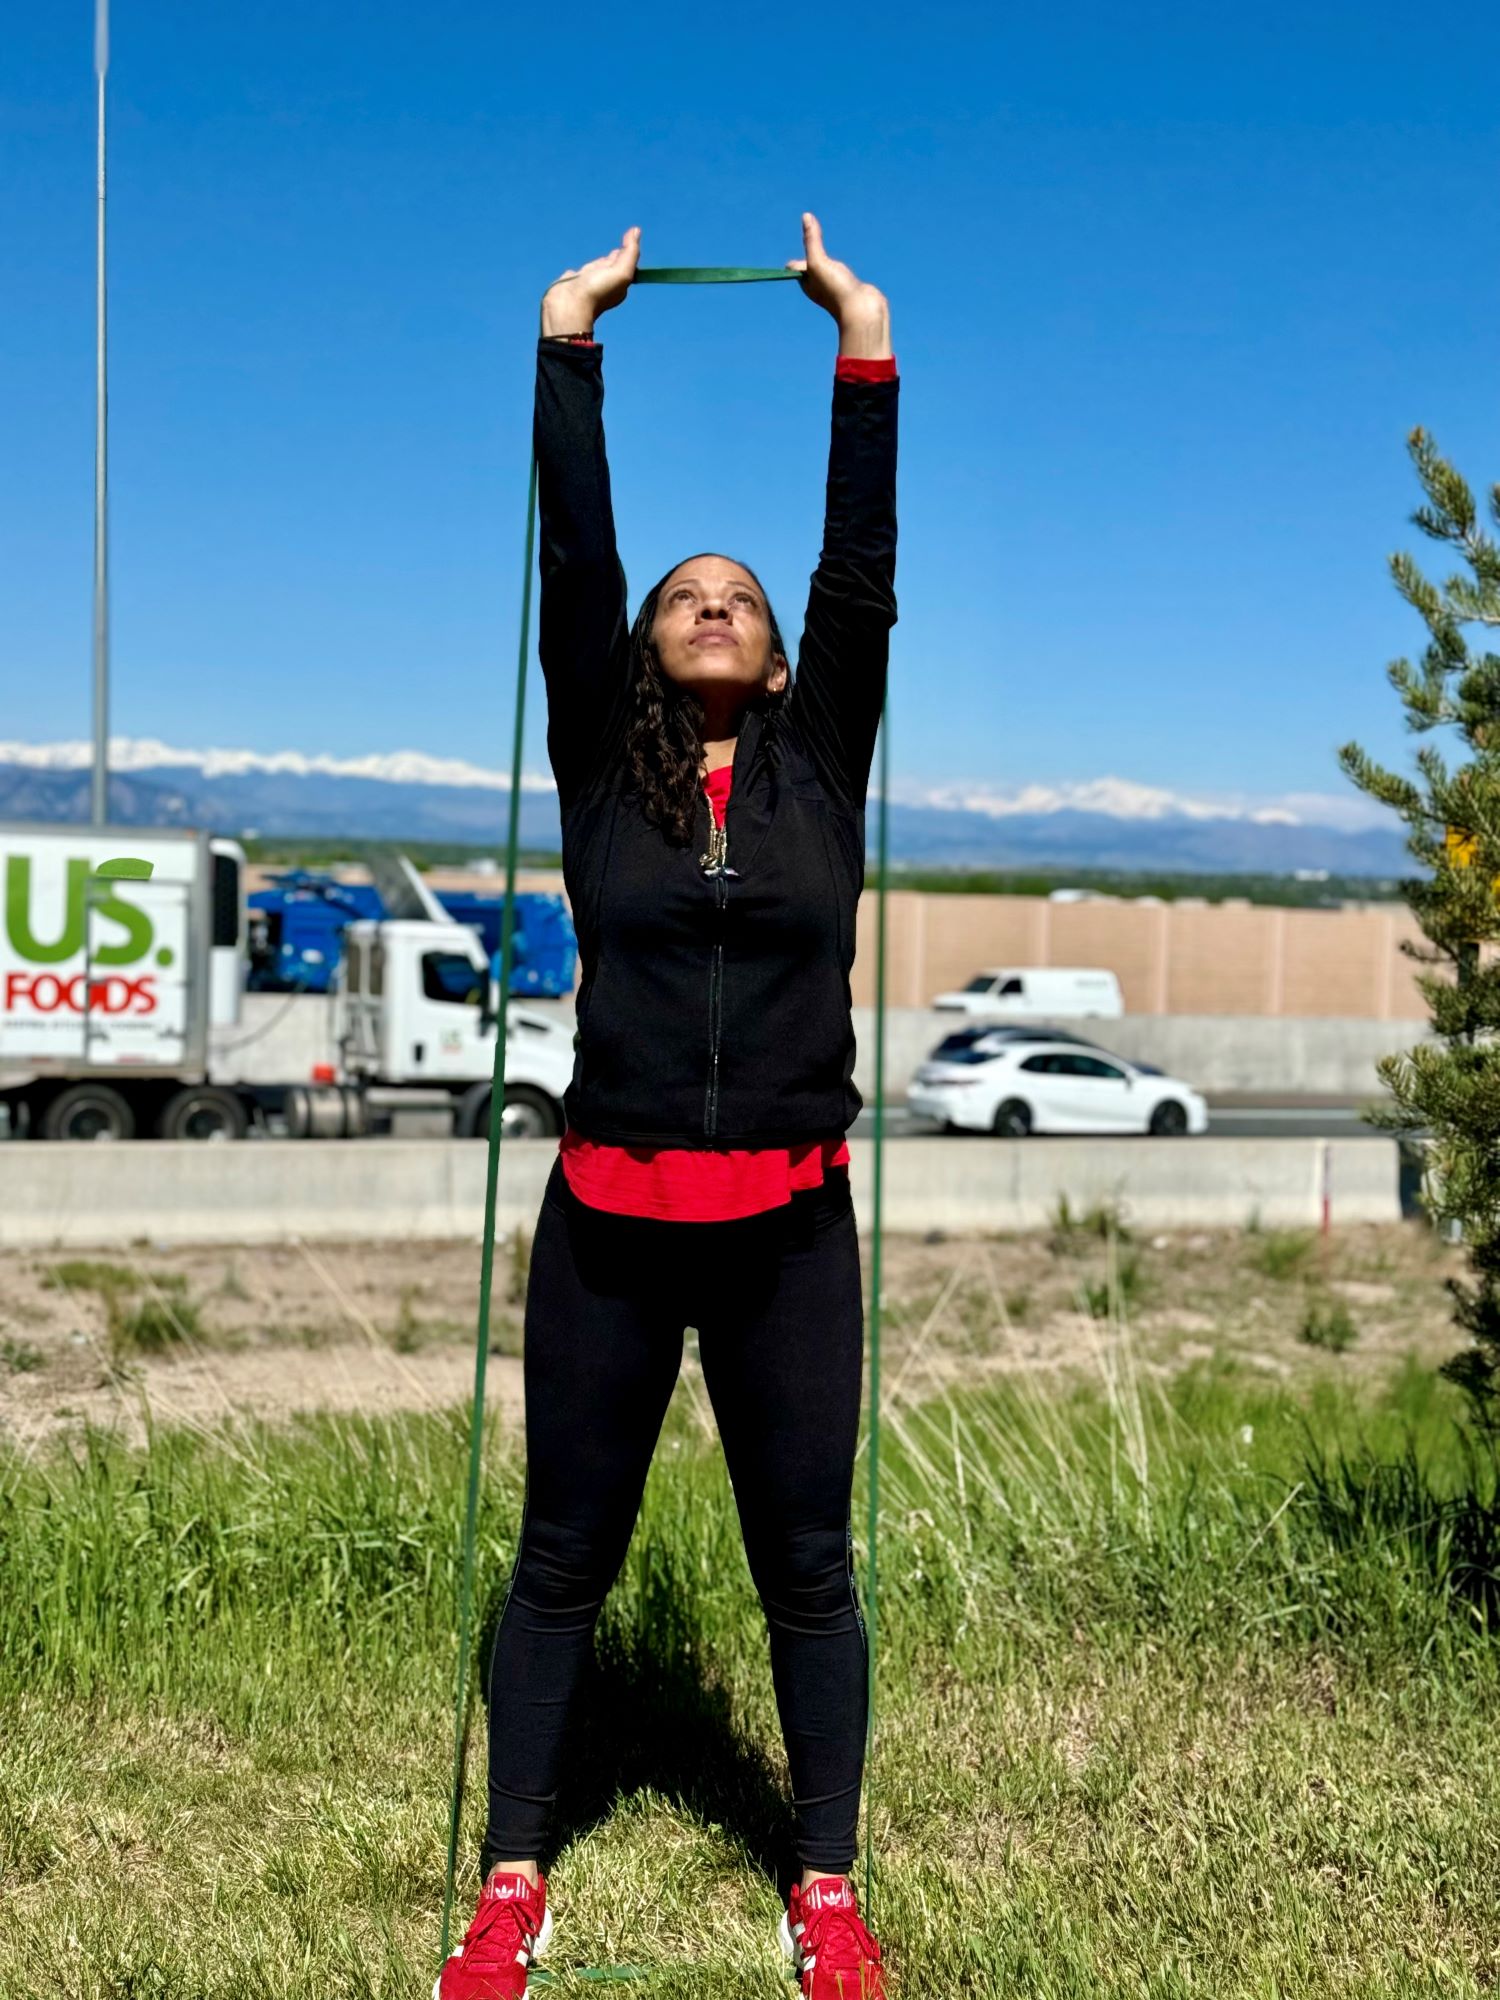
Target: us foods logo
x,y
104,892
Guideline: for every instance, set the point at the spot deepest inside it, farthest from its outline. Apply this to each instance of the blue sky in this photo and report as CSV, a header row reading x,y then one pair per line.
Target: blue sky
x,y
1170,285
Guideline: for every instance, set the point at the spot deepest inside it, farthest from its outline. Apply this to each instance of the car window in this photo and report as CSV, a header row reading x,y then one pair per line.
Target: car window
x,y
971,1052
1091,1066
1042,1065
952,1047
446,975
1012,986
1071,1065
980,984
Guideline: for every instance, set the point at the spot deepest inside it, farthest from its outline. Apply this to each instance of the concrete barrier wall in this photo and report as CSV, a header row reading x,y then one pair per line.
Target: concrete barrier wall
x,y
279,1189
1002,1186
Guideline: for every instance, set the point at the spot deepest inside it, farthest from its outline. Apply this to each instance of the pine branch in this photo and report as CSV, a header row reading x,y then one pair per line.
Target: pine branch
x,y
1448,1088
1449,516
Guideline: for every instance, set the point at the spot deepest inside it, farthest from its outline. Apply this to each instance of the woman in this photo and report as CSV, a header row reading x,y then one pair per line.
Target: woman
x,y
713,849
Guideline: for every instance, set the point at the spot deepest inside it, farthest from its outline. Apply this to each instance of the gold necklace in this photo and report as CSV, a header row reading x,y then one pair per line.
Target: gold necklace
x,y
718,847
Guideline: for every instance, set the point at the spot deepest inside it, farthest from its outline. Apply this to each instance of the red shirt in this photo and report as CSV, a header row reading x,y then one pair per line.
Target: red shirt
x,y
676,1184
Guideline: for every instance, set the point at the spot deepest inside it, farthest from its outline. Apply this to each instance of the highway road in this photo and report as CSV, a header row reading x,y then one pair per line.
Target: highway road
x,y
1289,1120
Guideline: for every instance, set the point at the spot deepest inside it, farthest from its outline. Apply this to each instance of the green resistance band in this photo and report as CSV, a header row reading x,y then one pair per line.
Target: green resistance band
x,y
607,1974
709,274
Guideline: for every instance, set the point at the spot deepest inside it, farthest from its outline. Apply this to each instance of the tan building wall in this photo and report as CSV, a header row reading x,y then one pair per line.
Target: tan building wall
x,y
1171,958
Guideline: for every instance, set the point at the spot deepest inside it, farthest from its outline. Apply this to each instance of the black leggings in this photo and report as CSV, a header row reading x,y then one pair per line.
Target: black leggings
x,y
776,1302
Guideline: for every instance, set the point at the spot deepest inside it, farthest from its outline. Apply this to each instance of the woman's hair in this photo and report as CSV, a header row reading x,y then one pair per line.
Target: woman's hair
x,y
664,735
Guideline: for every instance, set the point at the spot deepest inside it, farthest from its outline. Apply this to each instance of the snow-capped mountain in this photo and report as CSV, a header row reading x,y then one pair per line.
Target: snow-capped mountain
x,y
1107,822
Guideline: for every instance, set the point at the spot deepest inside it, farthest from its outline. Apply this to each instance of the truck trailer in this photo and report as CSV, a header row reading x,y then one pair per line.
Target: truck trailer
x,y
123,959
297,928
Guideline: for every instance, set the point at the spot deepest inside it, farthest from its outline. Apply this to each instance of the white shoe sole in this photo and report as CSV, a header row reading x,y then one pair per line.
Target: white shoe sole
x,y
543,1939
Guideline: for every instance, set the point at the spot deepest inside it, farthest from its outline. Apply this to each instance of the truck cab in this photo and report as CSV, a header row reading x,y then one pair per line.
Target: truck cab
x,y
418,1004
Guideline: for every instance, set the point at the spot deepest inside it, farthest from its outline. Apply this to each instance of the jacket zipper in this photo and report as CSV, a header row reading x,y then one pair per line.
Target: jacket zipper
x,y
715,1011
716,866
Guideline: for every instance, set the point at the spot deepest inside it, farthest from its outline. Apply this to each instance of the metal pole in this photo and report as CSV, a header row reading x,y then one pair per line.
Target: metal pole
x,y
99,788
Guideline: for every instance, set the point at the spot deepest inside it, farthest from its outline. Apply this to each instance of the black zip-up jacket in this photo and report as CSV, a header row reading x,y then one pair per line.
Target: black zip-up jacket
x,y
714,1009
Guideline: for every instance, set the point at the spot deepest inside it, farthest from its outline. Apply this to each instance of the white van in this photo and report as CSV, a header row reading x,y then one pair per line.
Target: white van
x,y
1038,989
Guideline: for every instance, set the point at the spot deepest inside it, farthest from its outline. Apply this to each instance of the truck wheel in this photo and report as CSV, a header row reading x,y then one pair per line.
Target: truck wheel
x,y
528,1113
203,1112
1013,1119
88,1111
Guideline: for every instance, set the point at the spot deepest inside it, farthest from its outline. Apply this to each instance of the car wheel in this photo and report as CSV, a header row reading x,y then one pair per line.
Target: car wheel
x,y
88,1111
202,1112
1013,1119
1169,1120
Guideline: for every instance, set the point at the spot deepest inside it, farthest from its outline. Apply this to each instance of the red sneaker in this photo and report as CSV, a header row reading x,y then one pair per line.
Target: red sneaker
x,y
511,1927
832,1953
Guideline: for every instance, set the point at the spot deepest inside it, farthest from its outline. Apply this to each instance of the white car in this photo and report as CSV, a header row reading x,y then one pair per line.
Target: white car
x,y
996,1083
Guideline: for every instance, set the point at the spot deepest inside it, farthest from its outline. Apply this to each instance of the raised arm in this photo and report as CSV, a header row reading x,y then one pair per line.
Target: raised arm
x,y
851,607
583,633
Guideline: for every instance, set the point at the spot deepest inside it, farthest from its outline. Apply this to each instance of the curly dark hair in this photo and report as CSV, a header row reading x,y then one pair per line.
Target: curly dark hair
x,y
664,736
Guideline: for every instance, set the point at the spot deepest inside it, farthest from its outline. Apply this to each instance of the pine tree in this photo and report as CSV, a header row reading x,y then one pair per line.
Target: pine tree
x,y
1450,1087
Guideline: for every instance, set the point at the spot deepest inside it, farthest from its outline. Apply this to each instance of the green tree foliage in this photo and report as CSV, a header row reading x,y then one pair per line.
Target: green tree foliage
x,y
1451,1087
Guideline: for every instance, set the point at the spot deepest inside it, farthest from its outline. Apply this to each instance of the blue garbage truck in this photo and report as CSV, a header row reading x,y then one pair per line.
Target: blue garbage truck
x,y
297,927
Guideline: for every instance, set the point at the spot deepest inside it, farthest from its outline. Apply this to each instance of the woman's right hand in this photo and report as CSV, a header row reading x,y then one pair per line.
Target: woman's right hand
x,y
575,300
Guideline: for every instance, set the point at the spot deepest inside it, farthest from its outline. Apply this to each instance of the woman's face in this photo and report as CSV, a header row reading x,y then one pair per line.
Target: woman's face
x,y
713,632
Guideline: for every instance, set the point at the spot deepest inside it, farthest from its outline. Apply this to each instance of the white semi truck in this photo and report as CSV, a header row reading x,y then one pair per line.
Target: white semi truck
x,y
122,971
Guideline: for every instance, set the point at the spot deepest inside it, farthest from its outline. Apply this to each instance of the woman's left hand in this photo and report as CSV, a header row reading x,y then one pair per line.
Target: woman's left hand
x,y
862,312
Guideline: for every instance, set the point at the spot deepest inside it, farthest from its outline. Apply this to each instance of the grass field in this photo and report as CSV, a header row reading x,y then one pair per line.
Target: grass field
x,y
1188,1686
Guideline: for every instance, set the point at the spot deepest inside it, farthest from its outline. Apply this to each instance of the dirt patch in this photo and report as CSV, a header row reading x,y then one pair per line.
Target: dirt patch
x,y
194,1334
1360,1292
